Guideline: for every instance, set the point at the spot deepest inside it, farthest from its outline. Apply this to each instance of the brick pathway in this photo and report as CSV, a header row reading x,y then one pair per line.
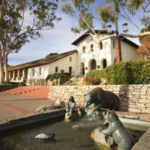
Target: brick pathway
x,y
18,105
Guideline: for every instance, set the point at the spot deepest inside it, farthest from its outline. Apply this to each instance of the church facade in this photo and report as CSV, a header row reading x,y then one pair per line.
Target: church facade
x,y
89,54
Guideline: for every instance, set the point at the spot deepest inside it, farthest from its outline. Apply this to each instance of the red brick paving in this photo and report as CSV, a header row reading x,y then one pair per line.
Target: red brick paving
x,y
18,108
22,104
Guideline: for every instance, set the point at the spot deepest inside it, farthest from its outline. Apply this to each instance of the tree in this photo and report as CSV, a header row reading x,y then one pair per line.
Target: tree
x,y
51,54
14,33
108,14
110,11
2,5
143,30
144,49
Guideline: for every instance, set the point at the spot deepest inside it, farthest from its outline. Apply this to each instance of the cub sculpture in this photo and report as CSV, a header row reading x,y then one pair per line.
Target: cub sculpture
x,y
99,98
121,136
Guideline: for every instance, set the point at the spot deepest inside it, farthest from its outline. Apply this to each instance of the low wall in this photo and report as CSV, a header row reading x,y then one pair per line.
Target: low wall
x,y
7,87
58,81
134,98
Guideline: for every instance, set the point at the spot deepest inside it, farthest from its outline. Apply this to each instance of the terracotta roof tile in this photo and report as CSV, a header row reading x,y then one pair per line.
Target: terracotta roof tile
x,y
102,31
42,61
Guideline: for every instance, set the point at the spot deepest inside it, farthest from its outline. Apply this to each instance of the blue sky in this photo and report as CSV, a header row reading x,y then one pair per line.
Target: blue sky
x,y
60,38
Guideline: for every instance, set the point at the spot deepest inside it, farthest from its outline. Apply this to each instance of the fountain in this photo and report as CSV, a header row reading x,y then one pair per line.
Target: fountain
x,y
74,134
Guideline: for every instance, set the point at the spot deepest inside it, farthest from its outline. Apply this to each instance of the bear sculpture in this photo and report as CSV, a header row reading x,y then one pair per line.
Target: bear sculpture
x,y
121,136
101,99
71,107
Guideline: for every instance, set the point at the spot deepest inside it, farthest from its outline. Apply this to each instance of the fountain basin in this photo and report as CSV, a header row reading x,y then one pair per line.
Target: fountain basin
x,y
66,135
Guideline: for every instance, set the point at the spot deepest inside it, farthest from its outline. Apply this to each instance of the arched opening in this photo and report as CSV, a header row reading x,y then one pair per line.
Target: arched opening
x,y
92,48
56,69
92,64
82,71
104,63
83,50
70,70
101,45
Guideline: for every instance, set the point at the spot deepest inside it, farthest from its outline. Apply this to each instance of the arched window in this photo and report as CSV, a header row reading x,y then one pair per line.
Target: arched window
x,y
56,69
104,63
115,59
70,58
83,50
70,70
101,45
92,48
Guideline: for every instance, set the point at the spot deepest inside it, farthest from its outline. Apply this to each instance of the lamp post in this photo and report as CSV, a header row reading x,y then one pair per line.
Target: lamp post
x,y
117,38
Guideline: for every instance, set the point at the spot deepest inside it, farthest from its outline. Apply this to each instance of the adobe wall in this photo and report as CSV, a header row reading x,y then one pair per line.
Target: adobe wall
x,y
134,98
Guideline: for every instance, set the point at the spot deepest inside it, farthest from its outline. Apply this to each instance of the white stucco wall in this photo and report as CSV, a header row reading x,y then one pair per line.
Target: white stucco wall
x,y
63,64
98,54
129,52
44,72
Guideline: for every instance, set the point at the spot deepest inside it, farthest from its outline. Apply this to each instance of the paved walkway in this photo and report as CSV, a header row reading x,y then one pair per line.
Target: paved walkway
x,y
12,105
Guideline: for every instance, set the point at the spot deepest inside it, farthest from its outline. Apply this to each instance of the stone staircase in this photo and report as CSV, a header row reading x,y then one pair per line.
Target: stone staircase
x,y
75,80
35,92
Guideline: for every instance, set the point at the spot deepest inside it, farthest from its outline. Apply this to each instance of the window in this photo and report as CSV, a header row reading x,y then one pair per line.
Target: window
x,y
70,70
56,69
40,71
92,48
101,45
115,59
83,50
113,43
33,72
70,58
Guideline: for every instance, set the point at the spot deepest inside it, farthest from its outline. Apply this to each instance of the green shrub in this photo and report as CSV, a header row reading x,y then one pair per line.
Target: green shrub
x,y
62,71
129,72
56,75
96,73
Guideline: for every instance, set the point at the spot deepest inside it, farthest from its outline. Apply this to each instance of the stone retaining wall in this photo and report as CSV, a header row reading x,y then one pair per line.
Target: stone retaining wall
x,y
134,98
7,87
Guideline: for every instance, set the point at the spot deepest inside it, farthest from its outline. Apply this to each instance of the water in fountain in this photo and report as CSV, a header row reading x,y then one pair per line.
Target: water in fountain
x,y
66,138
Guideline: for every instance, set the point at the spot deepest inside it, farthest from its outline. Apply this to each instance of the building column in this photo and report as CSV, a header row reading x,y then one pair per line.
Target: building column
x,y
9,76
118,50
23,73
18,74
13,75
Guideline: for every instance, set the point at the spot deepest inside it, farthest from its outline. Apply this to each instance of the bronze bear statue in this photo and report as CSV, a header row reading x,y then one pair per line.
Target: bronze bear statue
x,y
71,107
121,136
101,99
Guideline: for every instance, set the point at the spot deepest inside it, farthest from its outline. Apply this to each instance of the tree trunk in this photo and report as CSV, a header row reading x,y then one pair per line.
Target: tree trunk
x,y
1,69
5,68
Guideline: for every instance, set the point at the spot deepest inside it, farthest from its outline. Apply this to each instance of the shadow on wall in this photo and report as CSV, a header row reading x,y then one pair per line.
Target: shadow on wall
x,y
130,98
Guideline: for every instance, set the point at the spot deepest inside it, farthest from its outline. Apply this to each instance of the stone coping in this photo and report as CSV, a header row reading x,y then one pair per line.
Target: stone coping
x,y
21,121
30,119
144,142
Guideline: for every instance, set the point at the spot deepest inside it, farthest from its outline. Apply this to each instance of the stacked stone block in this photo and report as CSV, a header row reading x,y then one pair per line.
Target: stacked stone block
x,y
134,98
